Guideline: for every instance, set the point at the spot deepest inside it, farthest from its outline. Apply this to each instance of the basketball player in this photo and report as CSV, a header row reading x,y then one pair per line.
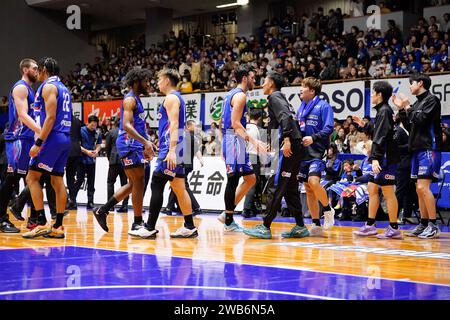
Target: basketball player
x,y
19,138
133,148
316,121
51,149
170,163
235,136
284,183
423,121
384,157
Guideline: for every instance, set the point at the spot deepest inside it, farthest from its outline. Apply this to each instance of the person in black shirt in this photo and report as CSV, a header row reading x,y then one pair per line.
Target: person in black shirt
x,y
115,166
284,182
193,147
384,157
73,162
405,189
423,121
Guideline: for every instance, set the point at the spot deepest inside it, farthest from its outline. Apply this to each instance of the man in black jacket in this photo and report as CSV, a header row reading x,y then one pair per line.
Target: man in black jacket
x,y
73,162
115,166
423,121
284,182
384,157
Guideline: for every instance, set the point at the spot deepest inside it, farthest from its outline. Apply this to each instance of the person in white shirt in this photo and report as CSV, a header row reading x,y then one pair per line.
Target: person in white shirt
x,y
356,8
250,209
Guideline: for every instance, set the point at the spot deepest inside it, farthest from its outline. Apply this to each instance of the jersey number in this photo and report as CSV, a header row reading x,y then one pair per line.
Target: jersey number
x,y
66,102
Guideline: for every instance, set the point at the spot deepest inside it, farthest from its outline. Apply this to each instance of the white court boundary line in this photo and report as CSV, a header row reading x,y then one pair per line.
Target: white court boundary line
x,y
305,295
271,266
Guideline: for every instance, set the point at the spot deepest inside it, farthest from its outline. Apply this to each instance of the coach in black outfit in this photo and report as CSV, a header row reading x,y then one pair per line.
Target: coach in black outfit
x,y
73,162
115,166
284,183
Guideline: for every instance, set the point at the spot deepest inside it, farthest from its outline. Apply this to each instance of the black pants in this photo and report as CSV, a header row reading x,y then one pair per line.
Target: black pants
x,y
25,195
114,171
251,196
405,192
285,184
89,171
71,172
173,198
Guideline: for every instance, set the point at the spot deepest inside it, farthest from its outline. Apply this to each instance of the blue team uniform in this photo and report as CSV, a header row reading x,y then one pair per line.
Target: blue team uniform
x,y
164,141
237,159
316,119
55,150
19,138
131,151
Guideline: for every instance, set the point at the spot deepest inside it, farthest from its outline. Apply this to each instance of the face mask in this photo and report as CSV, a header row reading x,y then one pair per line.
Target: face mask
x,y
302,60
310,58
374,63
261,55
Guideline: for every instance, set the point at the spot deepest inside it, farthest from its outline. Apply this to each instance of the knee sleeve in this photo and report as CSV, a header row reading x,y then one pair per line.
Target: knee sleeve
x,y
230,192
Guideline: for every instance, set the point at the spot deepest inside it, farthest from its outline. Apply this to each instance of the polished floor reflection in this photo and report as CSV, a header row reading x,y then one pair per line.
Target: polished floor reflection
x,y
90,264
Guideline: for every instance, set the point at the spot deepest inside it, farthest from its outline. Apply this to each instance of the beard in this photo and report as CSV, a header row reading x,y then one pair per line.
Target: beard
x,y
33,78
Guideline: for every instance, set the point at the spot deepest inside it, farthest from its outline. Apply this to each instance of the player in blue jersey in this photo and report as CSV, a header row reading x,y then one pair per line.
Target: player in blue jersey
x,y
51,149
133,148
19,138
170,163
316,121
234,151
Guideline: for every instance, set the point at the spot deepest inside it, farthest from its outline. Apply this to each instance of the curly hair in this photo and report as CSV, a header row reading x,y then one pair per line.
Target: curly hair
x,y
50,64
136,75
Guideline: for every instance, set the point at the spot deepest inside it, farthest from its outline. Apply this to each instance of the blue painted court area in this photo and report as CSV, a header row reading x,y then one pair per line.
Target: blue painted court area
x,y
84,273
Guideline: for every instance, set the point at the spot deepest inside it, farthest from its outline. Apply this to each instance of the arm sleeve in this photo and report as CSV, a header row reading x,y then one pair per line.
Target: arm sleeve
x,y
108,145
404,119
382,128
425,113
283,116
363,179
328,124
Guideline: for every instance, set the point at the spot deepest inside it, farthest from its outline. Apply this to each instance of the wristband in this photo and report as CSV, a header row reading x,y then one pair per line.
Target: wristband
x,y
38,142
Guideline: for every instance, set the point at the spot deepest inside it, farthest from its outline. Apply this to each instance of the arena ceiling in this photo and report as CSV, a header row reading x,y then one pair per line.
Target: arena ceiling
x,y
120,12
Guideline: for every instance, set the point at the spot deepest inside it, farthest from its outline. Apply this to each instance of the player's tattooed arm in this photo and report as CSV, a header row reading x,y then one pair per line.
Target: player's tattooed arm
x,y
238,102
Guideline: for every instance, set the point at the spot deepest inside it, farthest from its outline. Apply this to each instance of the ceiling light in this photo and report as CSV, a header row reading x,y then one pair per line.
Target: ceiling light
x,y
238,3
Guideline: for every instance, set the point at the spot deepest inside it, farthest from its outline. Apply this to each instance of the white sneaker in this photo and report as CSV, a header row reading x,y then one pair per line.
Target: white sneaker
x,y
184,232
431,232
143,232
233,227
316,231
221,217
328,219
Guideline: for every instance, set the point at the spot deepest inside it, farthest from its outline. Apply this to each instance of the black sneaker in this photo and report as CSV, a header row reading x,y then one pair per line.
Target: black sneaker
x,y
101,219
90,206
32,223
16,213
72,205
122,209
7,226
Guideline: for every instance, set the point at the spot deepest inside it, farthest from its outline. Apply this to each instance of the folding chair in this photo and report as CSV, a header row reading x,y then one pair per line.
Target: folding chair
x,y
439,195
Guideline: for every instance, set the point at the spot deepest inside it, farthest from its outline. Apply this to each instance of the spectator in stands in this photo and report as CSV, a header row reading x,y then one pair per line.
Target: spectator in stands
x,y
356,8
4,101
383,8
445,138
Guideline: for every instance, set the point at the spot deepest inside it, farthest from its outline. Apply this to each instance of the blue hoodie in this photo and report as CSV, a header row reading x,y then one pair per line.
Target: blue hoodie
x,y
318,124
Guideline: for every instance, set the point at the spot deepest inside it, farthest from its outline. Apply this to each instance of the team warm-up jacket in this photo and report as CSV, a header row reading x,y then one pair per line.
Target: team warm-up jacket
x,y
423,121
282,117
383,144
